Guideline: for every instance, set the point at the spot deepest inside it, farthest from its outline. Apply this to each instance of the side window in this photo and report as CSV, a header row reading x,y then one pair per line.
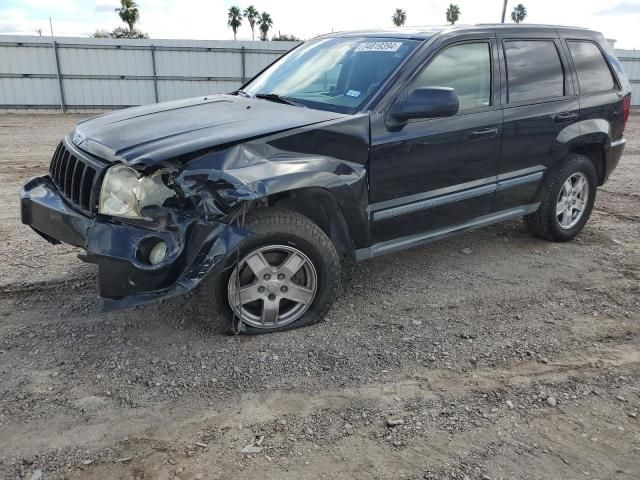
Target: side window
x,y
466,68
593,73
534,70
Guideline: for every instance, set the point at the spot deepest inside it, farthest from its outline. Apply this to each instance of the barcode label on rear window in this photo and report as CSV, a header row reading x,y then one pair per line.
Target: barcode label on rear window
x,y
378,47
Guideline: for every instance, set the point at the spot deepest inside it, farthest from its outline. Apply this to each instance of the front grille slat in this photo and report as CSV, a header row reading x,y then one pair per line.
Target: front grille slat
x,y
86,184
75,182
76,176
55,162
68,175
63,167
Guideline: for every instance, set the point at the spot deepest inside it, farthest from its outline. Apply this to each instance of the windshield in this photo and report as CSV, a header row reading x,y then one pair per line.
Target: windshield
x,y
337,74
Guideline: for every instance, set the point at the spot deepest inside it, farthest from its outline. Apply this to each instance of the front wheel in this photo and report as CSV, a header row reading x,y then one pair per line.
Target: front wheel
x,y
285,275
568,198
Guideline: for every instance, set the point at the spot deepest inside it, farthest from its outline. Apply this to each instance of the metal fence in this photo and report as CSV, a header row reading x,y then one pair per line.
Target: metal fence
x,y
101,74
97,74
630,60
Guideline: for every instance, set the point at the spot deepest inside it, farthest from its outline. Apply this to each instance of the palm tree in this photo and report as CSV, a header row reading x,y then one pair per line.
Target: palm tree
x,y
453,13
128,13
252,15
519,13
399,17
504,9
234,19
265,23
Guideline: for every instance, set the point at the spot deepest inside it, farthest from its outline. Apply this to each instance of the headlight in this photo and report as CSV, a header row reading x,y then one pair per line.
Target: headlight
x,y
125,192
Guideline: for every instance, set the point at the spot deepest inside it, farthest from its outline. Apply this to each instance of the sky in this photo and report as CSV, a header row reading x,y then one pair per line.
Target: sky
x,y
207,19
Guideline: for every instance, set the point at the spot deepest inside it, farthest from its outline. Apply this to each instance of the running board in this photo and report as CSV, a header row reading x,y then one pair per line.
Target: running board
x,y
410,241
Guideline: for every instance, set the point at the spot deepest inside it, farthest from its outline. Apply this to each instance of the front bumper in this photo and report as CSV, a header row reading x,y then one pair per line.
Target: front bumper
x,y
195,247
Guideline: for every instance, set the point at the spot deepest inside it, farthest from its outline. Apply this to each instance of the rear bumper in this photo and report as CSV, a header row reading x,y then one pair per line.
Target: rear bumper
x,y
194,248
613,155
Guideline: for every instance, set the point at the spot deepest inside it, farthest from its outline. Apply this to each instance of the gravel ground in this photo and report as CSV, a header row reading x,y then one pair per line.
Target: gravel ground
x,y
490,355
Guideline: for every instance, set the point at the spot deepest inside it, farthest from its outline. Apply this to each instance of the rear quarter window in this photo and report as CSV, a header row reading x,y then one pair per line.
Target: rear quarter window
x,y
593,72
534,70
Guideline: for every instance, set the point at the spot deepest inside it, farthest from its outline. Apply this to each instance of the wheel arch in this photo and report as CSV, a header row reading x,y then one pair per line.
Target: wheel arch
x,y
321,207
594,151
589,138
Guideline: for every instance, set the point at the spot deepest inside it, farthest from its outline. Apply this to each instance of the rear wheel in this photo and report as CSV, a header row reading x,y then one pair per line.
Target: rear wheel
x,y
568,199
287,276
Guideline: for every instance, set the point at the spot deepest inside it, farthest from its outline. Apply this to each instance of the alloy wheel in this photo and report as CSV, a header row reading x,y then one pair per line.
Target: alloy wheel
x,y
272,286
572,200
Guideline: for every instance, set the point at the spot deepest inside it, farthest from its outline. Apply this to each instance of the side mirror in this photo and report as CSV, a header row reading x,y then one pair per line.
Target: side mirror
x,y
427,102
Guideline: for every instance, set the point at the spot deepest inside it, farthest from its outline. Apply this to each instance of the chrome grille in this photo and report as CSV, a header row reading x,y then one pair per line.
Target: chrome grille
x,y
76,176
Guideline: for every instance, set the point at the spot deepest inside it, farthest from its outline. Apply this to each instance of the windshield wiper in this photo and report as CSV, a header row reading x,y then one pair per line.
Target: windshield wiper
x,y
274,97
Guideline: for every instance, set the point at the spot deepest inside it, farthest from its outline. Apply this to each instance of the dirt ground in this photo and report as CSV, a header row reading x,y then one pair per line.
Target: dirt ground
x,y
491,355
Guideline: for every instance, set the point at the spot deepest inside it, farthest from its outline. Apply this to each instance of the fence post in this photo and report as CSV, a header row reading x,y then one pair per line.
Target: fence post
x,y
244,67
63,106
155,74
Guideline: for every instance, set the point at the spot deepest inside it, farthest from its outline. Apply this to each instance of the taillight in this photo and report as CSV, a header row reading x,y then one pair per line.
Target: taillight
x,y
626,108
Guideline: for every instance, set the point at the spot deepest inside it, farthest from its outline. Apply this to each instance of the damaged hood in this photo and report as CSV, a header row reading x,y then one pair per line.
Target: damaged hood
x,y
150,134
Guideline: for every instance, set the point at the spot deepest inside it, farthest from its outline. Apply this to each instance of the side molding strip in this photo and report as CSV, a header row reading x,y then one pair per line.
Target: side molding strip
x,y
423,238
436,198
533,177
434,202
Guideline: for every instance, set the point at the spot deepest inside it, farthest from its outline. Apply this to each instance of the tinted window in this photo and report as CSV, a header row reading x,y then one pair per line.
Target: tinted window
x,y
534,70
466,68
593,73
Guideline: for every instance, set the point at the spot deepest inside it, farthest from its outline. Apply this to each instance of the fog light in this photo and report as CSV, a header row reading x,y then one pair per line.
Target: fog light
x,y
157,253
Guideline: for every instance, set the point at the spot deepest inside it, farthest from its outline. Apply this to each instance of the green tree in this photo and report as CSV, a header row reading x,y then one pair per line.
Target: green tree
x,y
399,17
453,13
234,19
519,13
128,13
252,15
283,37
101,34
121,32
266,22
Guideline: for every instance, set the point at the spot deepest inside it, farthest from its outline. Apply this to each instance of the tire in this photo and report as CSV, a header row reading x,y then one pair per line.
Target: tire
x,y
545,222
277,235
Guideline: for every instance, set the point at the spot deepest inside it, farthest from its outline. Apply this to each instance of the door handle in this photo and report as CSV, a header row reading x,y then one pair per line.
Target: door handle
x,y
565,117
483,133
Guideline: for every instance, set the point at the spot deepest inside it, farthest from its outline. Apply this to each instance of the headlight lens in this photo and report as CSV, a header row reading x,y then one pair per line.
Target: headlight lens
x,y
125,192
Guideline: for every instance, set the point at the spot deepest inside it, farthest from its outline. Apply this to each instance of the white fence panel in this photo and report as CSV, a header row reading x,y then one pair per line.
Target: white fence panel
x,y
630,60
26,60
198,64
95,62
116,93
101,74
34,92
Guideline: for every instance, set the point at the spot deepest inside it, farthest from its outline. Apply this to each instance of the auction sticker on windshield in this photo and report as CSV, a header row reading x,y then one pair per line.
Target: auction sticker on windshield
x,y
378,47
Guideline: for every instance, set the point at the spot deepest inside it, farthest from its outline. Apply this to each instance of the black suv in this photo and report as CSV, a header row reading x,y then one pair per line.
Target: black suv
x,y
357,144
